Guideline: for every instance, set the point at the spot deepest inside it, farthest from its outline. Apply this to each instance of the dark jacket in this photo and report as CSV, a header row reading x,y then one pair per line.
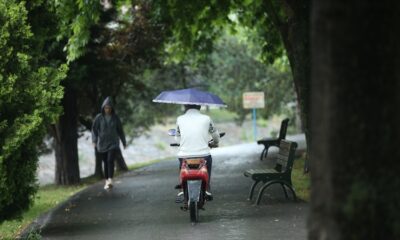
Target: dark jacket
x,y
105,134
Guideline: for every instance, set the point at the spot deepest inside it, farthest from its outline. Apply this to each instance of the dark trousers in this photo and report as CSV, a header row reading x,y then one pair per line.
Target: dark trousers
x,y
209,166
108,160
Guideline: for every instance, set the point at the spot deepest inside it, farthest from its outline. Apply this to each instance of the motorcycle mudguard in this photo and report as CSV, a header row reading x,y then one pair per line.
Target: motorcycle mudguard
x,y
194,188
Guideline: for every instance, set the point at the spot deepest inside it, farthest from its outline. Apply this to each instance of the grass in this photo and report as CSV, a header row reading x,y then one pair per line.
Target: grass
x,y
301,181
143,164
160,146
48,197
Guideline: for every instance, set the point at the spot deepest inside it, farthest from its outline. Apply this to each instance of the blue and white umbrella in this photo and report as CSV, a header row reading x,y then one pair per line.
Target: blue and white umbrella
x,y
189,96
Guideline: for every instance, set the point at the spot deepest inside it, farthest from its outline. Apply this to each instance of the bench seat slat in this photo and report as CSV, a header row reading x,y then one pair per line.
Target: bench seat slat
x,y
254,172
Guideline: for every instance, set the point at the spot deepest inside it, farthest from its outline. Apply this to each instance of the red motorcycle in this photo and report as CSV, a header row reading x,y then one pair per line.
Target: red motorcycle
x,y
194,181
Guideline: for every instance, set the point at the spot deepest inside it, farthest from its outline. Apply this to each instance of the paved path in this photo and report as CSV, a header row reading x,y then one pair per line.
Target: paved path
x,y
141,206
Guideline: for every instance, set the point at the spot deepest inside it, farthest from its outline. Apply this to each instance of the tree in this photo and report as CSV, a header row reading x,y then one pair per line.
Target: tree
x,y
73,22
234,66
115,59
355,120
194,25
120,44
30,93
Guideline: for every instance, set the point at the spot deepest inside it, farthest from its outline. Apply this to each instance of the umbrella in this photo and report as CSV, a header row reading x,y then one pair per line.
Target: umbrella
x,y
189,96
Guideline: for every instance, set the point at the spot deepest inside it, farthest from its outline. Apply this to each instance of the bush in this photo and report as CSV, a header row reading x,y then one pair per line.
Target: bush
x,y
29,101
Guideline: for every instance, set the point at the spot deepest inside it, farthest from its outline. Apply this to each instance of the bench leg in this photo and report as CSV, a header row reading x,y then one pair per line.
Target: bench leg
x,y
260,193
284,190
293,193
262,154
270,183
266,152
252,189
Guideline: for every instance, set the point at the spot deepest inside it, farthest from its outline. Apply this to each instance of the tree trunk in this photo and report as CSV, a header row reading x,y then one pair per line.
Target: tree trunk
x,y
66,141
98,170
355,120
121,165
296,39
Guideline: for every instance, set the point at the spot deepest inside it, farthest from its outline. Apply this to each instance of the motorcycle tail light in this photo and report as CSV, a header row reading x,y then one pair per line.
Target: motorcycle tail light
x,y
193,166
194,163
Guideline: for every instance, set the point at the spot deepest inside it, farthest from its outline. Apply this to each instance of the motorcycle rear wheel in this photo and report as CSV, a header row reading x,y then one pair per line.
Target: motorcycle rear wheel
x,y
194,212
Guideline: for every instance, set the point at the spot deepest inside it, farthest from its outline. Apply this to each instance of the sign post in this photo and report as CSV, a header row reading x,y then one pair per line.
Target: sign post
x,y
254,100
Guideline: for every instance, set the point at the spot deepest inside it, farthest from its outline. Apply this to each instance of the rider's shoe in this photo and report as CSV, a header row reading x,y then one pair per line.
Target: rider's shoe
x,y
179,198
178,186
209,196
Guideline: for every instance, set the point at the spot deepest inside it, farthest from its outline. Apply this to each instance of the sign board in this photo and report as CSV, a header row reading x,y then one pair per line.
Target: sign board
x,y
253,100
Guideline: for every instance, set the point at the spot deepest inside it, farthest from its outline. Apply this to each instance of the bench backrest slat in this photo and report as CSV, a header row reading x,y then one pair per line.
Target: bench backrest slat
x,y
283,130
285,157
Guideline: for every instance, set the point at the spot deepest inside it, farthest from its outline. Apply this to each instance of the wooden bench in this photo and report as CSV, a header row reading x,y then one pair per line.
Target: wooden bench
x,y
280,174
268,142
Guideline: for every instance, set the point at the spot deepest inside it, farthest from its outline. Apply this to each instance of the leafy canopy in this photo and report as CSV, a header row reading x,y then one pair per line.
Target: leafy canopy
x,y
195,25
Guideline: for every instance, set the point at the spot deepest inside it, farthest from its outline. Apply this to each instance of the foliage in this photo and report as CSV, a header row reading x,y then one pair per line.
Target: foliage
x,y
75,20
221,115
29,99
280,27
122,60
235,39
203,21
234,68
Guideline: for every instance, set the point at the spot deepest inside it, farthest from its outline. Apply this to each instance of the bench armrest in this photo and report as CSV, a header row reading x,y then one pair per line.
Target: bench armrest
x,y
268,141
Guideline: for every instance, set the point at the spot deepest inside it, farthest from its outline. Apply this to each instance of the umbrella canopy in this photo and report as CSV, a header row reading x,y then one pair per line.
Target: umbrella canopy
x,y
189,96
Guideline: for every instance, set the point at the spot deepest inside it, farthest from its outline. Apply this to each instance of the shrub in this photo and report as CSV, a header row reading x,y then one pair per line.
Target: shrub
x,y
29,101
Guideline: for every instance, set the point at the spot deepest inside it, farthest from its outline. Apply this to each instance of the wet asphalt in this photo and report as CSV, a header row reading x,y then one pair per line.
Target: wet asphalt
x,y
142,206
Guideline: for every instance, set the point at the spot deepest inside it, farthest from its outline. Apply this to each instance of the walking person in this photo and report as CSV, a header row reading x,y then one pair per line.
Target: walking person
x,y
106,133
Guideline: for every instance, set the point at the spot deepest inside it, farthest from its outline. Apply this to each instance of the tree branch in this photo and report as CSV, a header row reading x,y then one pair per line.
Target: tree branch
x,y
281,25
87,123
271,12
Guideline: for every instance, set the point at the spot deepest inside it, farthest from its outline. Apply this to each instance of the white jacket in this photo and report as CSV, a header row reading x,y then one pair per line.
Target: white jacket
x,y
193,133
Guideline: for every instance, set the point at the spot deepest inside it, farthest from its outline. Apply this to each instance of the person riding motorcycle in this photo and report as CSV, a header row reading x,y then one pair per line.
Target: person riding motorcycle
x,y
193,134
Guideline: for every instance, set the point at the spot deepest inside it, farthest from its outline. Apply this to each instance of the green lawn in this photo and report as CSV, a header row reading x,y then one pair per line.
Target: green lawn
x,y
301,181
46,198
